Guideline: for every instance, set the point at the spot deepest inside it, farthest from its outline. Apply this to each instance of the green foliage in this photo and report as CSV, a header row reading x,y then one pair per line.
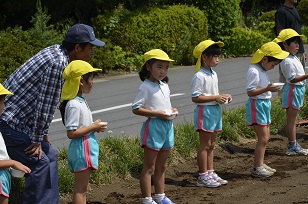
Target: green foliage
x,y
268,16
278,116
305,33
266,29
302,10
243,42
186,139
14,51
222,16
174,29
17,46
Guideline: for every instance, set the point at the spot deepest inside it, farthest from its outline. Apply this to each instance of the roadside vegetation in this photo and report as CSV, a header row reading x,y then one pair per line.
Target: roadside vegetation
x,y
129,31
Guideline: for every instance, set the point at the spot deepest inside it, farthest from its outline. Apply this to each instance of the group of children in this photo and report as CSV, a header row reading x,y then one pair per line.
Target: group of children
x,y
153,102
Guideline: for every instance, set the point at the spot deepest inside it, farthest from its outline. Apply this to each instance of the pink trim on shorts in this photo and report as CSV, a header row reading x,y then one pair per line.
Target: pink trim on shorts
x,y
253,111
1,191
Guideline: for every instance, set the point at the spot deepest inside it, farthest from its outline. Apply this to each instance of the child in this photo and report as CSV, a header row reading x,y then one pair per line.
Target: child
x,y
76,115
5,161
157,136
294,89
258,107
207,114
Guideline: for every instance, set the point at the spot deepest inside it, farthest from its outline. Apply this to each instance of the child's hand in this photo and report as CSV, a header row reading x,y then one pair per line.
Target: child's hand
x,y
272,88
223,98
98,126
19,166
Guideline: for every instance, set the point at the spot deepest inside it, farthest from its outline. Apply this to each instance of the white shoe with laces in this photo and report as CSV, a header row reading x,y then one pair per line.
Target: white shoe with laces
x,y
218,179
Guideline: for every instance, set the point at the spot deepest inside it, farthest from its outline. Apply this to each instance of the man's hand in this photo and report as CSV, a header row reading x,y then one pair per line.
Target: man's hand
x,y
34,150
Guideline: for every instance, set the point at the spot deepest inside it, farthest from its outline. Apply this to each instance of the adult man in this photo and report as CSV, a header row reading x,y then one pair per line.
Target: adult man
x,y
287,17
26,118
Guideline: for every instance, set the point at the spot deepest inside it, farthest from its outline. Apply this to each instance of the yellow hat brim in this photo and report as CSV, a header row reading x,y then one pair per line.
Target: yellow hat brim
x,y
4,91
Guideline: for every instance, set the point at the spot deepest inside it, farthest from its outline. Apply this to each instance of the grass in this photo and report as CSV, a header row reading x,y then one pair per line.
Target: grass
x,y
122,156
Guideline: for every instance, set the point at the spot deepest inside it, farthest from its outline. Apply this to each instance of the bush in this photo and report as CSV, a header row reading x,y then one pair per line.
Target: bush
x,y
14,51
222,15
302,10
174,29
243,42
268,16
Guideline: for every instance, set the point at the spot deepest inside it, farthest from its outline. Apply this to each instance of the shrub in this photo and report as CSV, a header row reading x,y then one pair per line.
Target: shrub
x,y
302,10
268,16
14,51
222,15
175,29
243,42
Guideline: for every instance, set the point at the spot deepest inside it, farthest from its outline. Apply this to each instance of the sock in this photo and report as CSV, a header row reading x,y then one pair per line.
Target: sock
x,y
159,197
210,172
203,175
147,200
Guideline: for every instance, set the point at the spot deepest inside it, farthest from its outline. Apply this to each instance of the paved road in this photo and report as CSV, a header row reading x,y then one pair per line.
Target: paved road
x,y
110,98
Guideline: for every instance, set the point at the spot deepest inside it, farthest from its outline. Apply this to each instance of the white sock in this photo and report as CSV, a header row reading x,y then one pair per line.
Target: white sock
x,y
210,172
159,197
203,175
147,200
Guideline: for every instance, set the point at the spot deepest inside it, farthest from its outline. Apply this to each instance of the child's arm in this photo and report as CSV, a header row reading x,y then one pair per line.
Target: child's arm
x,y
4,164
299,78
221,98
80,132
152,113
259,91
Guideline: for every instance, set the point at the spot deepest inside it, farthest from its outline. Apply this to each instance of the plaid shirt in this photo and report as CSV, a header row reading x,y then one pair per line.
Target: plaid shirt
x,y
36,86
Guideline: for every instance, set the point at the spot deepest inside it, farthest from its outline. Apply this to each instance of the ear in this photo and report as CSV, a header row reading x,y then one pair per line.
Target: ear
x,y
77,48
81,82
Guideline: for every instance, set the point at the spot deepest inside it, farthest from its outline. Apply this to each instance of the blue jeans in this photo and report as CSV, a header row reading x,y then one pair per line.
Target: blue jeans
x,y
41,185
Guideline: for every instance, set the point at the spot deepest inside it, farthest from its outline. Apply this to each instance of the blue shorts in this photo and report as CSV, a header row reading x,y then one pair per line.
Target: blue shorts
x,y
157,134
5,182
208,118
83,153
258,111
293,96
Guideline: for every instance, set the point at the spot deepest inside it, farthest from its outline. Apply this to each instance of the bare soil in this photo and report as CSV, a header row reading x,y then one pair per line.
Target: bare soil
x,y
232,161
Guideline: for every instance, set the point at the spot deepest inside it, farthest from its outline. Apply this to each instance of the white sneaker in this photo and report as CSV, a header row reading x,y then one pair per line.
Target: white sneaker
x,y
207,181
260,172
218,179
269,168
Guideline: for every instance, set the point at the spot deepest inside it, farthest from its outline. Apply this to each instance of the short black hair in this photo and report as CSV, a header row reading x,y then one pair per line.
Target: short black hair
x,y
212,50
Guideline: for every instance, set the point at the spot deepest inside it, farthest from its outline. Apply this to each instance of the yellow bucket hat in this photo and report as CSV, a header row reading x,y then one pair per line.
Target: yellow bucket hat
x,y
72,75
156,54
4,91
201,47
287,34
271,49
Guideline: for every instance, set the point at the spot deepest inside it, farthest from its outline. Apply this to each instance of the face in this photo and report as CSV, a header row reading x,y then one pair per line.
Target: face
x,y
292,48
158,70
210,61
268,65
86,85
84,54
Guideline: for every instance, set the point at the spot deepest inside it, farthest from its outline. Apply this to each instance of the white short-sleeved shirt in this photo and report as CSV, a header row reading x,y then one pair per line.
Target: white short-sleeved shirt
x,y
257,78
292,67
77,114
3,153
152,96
205,82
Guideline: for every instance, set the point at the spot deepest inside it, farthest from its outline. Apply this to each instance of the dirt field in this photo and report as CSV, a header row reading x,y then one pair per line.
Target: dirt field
x,y
289,185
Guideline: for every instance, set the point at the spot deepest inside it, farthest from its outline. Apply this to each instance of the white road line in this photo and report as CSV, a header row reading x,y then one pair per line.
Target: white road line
x,y
114,107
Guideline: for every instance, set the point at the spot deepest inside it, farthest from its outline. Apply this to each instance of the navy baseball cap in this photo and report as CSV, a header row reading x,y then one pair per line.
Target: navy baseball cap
x,y
81,33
